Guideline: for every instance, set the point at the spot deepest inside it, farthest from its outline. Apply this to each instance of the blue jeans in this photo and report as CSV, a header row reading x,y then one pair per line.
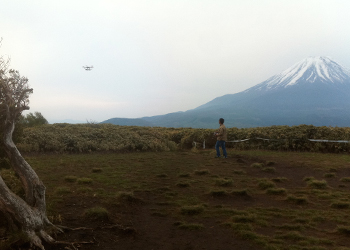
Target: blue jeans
x,y
217,147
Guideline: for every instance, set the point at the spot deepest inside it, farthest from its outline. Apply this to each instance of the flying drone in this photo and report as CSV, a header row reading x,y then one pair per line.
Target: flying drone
x,y
88,67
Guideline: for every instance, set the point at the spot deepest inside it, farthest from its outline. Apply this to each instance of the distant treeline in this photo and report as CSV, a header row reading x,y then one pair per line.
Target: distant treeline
x,y
106,137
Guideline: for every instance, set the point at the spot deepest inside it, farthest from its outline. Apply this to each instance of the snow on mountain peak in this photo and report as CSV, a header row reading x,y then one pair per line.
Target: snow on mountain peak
x,y
312,69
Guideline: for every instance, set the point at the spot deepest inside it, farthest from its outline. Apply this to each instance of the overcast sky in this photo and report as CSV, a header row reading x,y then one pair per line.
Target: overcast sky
x,y
156,57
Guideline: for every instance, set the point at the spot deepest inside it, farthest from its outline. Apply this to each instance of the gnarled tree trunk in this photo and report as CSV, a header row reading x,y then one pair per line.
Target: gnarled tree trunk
x,y
26,215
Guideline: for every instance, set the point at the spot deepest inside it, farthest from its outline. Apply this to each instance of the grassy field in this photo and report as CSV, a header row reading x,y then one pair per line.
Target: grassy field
x,y
190,200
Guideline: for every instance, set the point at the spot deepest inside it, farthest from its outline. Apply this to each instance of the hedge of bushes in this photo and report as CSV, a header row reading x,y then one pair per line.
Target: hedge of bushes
x,y
107,137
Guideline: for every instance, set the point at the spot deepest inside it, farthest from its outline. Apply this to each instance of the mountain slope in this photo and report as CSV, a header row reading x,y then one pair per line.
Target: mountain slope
x,y
310,80
314,91
129,122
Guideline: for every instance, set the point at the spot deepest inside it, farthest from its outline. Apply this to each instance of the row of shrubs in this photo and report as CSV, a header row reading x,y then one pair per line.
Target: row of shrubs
x,y
108,137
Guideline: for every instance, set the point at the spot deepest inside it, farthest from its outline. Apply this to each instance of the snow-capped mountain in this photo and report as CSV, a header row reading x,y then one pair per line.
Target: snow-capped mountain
x,y
317,82
322,70
313,91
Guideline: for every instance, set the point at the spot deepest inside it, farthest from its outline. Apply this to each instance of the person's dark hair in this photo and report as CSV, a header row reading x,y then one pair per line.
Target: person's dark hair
x,y
221,120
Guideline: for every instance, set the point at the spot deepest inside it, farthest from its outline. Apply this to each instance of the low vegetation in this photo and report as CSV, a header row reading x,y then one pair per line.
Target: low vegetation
x,y
297,199
98,213
319,184
276,191
192,210
108,137
84,180
116,196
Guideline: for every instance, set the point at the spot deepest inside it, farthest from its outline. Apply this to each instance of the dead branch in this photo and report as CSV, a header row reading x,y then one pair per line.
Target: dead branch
x,y
72,244
119,227
73,229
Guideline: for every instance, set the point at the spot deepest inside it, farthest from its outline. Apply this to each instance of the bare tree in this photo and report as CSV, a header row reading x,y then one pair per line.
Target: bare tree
x,y
27,214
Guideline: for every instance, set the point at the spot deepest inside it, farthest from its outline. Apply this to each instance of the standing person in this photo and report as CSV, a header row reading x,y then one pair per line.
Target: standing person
x,y
221,136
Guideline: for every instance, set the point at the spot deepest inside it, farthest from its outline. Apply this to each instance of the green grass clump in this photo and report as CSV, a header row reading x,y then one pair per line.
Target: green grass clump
x,y
244,218
269,170
301,220
84,180
239,172
329,175
202,172
276,191
164,203
12,181
257,165
183,175
224,182
343,230
97,170
292,227
240,226
279,179
160,214
231,211
62,190
189,226
162,175
192,210
99,213
70,178
183,184
218,193
318,184
345,179
325,196
308,179
340,205
171,194
247,235
299,200
317,218
265,184
240,192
